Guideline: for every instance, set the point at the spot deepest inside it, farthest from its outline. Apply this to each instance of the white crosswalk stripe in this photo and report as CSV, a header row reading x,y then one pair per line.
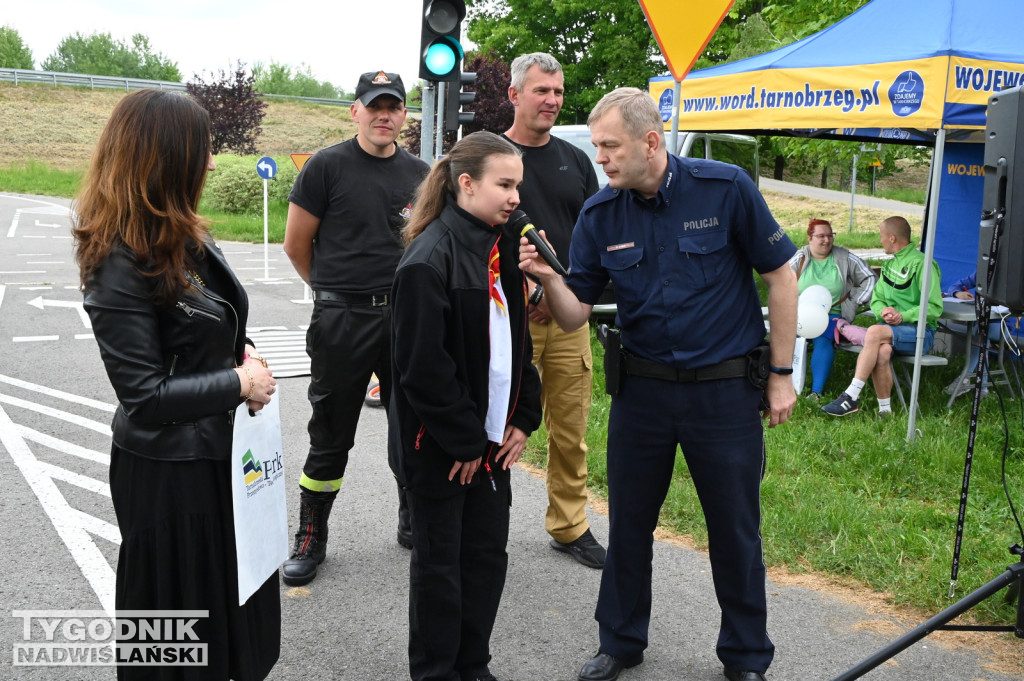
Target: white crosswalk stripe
x,y
285,351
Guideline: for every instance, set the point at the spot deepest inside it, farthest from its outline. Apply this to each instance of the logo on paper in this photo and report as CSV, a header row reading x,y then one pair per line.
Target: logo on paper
x,y
906,94
251,468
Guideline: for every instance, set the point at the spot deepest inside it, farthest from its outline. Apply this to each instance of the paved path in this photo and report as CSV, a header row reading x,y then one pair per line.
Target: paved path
x,y
894,207
352,622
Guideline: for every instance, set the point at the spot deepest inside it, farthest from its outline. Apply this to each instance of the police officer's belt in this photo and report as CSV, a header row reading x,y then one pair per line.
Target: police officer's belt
x,y
638,366
375,300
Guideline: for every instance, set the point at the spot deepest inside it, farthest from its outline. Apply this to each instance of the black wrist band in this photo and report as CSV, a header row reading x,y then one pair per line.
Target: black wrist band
x,y
537,294
784,371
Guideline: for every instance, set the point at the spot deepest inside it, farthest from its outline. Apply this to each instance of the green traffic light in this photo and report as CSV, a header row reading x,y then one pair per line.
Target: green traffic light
x,y
441,58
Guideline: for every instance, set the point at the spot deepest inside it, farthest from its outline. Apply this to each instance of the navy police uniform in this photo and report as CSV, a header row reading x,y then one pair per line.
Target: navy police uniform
x,y
681,265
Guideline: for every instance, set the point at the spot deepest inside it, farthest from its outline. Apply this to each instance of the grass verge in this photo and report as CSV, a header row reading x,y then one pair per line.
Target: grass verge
x,y
851,498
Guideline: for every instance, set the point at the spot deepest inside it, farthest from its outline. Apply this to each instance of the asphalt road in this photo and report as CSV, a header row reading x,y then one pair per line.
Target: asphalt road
x,y
58,546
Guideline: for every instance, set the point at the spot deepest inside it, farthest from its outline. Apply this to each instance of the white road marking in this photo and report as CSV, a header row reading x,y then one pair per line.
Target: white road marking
x,y
77,305
70,524
59,394
76,479
62,446
102,428
14,223
33,339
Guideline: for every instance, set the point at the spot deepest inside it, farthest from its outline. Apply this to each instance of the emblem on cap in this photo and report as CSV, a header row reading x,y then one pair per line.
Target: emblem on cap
x,y
381,79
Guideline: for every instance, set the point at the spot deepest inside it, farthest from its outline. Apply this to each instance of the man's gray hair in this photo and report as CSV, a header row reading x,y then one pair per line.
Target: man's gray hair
x,y
522,64
640,114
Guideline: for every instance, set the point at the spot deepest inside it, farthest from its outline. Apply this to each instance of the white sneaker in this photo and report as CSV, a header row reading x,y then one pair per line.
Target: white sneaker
x,y
966,386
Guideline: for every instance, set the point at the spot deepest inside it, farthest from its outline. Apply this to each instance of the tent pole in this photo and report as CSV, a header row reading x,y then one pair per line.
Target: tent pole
x,y
673,140
934,182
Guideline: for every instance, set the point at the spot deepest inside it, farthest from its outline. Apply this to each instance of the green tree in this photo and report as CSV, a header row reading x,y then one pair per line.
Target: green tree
x,y
757,26
601,46
278,79
14,54
101,55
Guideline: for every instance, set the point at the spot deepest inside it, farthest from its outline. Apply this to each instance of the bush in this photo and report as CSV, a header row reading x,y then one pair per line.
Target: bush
x,y
236,112
234,187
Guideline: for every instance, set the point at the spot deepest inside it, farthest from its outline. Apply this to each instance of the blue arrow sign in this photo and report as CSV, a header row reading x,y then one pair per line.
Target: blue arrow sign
x,y
266,168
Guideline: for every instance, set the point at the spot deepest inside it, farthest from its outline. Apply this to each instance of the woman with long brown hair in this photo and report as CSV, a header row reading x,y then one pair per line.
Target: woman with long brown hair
x,y
465,396
169,317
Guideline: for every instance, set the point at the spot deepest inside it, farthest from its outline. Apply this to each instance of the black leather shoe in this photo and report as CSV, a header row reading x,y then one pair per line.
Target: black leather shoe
x,y
604,667
485,677
584,549
743,676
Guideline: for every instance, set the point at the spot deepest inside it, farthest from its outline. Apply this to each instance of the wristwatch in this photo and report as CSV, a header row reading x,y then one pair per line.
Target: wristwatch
x,y
784,371
537,294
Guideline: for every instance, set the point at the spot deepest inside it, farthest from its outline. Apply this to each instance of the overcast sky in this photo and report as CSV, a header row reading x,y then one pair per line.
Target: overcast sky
x,y
338,39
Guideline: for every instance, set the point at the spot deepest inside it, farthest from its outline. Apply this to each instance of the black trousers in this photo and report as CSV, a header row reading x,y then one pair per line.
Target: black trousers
x,y
346,344
456,577
719,429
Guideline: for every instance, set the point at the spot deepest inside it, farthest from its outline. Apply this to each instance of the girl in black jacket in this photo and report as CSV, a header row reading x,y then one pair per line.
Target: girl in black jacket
x,y
465,398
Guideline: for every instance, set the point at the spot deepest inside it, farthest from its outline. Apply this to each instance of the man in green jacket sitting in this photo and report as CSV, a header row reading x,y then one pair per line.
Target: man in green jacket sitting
x,y
896,301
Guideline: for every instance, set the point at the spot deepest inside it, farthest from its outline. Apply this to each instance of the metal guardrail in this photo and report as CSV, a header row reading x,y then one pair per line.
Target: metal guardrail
x,y
19,76
55,78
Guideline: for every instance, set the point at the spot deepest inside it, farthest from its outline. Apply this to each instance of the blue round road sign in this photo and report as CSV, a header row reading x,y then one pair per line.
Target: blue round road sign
x,y
266,168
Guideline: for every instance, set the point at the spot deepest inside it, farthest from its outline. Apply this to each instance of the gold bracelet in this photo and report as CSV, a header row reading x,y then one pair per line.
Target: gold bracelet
x,y
252,382
259,359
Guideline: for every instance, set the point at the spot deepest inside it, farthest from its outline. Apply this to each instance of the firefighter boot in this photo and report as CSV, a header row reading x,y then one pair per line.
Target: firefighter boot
x,y
311,539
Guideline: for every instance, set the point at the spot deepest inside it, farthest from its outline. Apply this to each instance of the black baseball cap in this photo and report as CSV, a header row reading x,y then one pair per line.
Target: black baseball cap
x,y
376,83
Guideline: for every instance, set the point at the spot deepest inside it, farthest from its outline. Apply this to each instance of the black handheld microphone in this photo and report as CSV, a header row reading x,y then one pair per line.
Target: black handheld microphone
x,y
520,225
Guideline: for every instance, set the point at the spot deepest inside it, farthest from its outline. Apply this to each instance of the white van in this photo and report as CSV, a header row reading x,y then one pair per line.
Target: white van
x,y
740,150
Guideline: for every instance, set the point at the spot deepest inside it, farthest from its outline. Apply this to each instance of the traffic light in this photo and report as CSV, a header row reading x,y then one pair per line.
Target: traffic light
x,y
441,52
455,99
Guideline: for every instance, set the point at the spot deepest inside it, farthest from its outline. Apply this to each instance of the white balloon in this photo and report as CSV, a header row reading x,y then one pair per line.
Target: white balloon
x,y
818,295
811,319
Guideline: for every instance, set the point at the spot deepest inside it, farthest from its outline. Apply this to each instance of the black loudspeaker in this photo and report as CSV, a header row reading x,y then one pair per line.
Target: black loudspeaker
x,y
1003,202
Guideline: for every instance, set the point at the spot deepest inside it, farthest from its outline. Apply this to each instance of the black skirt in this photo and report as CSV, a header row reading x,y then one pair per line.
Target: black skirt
x,y
178,553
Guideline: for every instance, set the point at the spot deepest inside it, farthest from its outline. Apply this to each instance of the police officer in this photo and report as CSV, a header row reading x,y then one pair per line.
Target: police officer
x,y
678,239
557,178
345,215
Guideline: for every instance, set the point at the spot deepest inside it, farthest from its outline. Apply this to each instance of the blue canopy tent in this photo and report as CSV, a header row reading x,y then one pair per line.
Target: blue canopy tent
x,y
894,71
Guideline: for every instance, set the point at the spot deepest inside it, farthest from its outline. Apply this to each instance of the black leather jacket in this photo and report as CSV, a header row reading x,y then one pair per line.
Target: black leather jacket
x,y
172,367
441,353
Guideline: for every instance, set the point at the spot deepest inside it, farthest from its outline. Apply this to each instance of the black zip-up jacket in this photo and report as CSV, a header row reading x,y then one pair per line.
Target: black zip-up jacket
x,y
171,366
441,353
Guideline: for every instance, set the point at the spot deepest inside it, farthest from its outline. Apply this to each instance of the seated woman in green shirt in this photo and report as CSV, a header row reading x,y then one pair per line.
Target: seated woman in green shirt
x,y
847,277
